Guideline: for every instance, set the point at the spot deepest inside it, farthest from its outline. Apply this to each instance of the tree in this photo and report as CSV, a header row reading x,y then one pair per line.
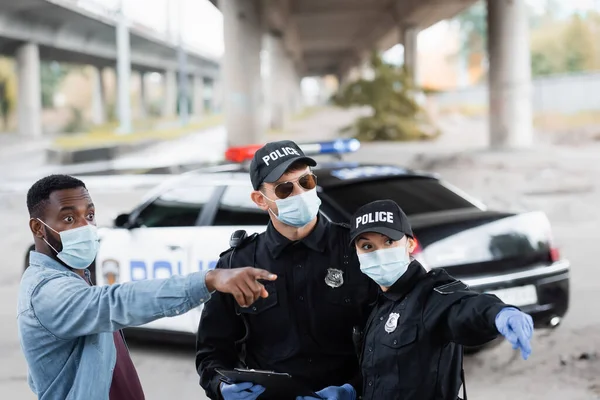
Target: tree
x,y
579,48
8,89
566,46
473,29
395,113
52,75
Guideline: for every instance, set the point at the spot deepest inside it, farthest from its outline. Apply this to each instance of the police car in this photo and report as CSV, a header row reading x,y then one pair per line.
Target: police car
x,y
185,223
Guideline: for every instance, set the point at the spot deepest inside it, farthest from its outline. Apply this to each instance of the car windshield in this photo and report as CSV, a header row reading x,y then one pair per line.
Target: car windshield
x,y
416,195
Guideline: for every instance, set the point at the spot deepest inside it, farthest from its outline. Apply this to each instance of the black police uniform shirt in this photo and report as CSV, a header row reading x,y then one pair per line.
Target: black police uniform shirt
x,y
304,327
413,341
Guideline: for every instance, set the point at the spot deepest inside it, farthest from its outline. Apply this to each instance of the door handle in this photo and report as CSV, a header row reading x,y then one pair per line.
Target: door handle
x,y
174,247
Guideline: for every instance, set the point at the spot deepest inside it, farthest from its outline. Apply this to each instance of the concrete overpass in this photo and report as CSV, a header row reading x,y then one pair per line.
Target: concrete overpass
x,y
318,37
60,30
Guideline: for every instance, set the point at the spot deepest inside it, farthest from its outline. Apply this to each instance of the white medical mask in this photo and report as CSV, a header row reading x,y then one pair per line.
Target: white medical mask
x,y
298,210
79,246
385,266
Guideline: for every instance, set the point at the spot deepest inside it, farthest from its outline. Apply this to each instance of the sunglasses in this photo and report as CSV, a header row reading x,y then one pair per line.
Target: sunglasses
x,y
284,189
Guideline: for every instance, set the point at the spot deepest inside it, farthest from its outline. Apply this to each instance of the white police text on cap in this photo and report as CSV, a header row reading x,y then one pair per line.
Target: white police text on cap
x,y
379,216
280,153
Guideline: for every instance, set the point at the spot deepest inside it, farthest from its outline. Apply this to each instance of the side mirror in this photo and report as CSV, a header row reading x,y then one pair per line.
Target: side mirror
x,y
122,221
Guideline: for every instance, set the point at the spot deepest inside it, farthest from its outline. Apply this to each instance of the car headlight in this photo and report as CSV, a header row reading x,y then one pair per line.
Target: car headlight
x,y
110,271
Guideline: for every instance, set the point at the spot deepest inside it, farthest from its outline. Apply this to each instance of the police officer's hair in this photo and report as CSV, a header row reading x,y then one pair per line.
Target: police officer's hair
x,y
39,193
296,166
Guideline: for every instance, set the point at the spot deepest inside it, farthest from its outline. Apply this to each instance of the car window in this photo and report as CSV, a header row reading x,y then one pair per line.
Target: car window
x,y
179,206
237,208
414,195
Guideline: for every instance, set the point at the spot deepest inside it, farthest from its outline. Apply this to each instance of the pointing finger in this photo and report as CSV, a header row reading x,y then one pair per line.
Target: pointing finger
x,y
263,274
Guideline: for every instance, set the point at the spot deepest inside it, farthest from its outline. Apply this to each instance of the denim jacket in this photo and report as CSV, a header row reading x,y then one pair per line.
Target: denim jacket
x,y
66,326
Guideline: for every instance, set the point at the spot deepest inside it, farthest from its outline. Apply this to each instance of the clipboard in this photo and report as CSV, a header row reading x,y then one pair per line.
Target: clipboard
x,y
278,385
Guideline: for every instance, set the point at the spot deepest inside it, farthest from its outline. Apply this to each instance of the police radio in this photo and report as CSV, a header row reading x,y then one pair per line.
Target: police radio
x,y
237,238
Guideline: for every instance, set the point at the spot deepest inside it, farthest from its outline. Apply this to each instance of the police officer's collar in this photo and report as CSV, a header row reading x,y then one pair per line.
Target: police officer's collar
x,y
405,284
277,243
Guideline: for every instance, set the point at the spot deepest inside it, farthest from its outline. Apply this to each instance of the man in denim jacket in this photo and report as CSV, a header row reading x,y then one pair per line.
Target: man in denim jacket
x,y
69,329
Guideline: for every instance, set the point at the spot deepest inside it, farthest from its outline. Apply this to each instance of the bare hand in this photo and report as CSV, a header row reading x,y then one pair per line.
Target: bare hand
x,y
242,283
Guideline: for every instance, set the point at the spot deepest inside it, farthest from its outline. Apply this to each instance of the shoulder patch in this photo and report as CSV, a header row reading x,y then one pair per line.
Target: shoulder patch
x,y
451,287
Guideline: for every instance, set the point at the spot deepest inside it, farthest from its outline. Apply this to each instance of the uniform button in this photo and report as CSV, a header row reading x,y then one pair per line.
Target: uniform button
x,y
395,342
347,300
381,318
301,298
253,308
370,349
176,311
370,383
310,360
299,266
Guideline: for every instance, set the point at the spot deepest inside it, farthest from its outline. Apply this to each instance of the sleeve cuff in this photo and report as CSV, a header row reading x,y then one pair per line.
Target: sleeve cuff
x,y
493,313
197,291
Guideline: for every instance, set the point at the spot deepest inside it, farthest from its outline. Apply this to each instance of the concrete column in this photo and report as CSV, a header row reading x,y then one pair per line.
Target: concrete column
x,y
290,83
143,100
30,98
198,95
123,74
170,94
277,83
216,96
241,71
298,91
409,40
510,89
98,97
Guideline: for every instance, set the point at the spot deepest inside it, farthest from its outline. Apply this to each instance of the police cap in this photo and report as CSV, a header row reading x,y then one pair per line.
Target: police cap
x,y
381,216
273,159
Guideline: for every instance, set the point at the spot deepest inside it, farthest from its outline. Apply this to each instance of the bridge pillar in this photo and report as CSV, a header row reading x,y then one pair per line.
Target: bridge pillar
x,y
241,71
510,88
277,83
198,95
292,86
30,99
216,95
170,94
409,40
98,97
143,100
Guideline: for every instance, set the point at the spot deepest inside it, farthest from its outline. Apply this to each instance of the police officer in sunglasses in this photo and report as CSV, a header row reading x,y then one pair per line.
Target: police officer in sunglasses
x,y
304,327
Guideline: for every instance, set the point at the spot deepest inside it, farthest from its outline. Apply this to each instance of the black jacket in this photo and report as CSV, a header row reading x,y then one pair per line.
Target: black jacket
x,y
413,341
305,326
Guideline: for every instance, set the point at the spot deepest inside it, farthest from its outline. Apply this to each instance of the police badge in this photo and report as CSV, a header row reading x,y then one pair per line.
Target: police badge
x,y
334,278
392,323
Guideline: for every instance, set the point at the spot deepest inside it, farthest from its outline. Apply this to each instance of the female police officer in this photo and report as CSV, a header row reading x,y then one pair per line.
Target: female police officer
x,y
413,339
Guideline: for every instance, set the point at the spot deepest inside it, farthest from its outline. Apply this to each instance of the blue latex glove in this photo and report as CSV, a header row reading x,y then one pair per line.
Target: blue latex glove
x,y
517,328
345,392
241,391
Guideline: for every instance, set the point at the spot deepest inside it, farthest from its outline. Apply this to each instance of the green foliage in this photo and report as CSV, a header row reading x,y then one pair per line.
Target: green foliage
x,y
566,46
395,113
52,75
8,89
77,123
473,29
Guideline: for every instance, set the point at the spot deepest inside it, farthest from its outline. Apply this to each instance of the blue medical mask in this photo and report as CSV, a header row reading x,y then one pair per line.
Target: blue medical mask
x,y
385,266
79,246
299,210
